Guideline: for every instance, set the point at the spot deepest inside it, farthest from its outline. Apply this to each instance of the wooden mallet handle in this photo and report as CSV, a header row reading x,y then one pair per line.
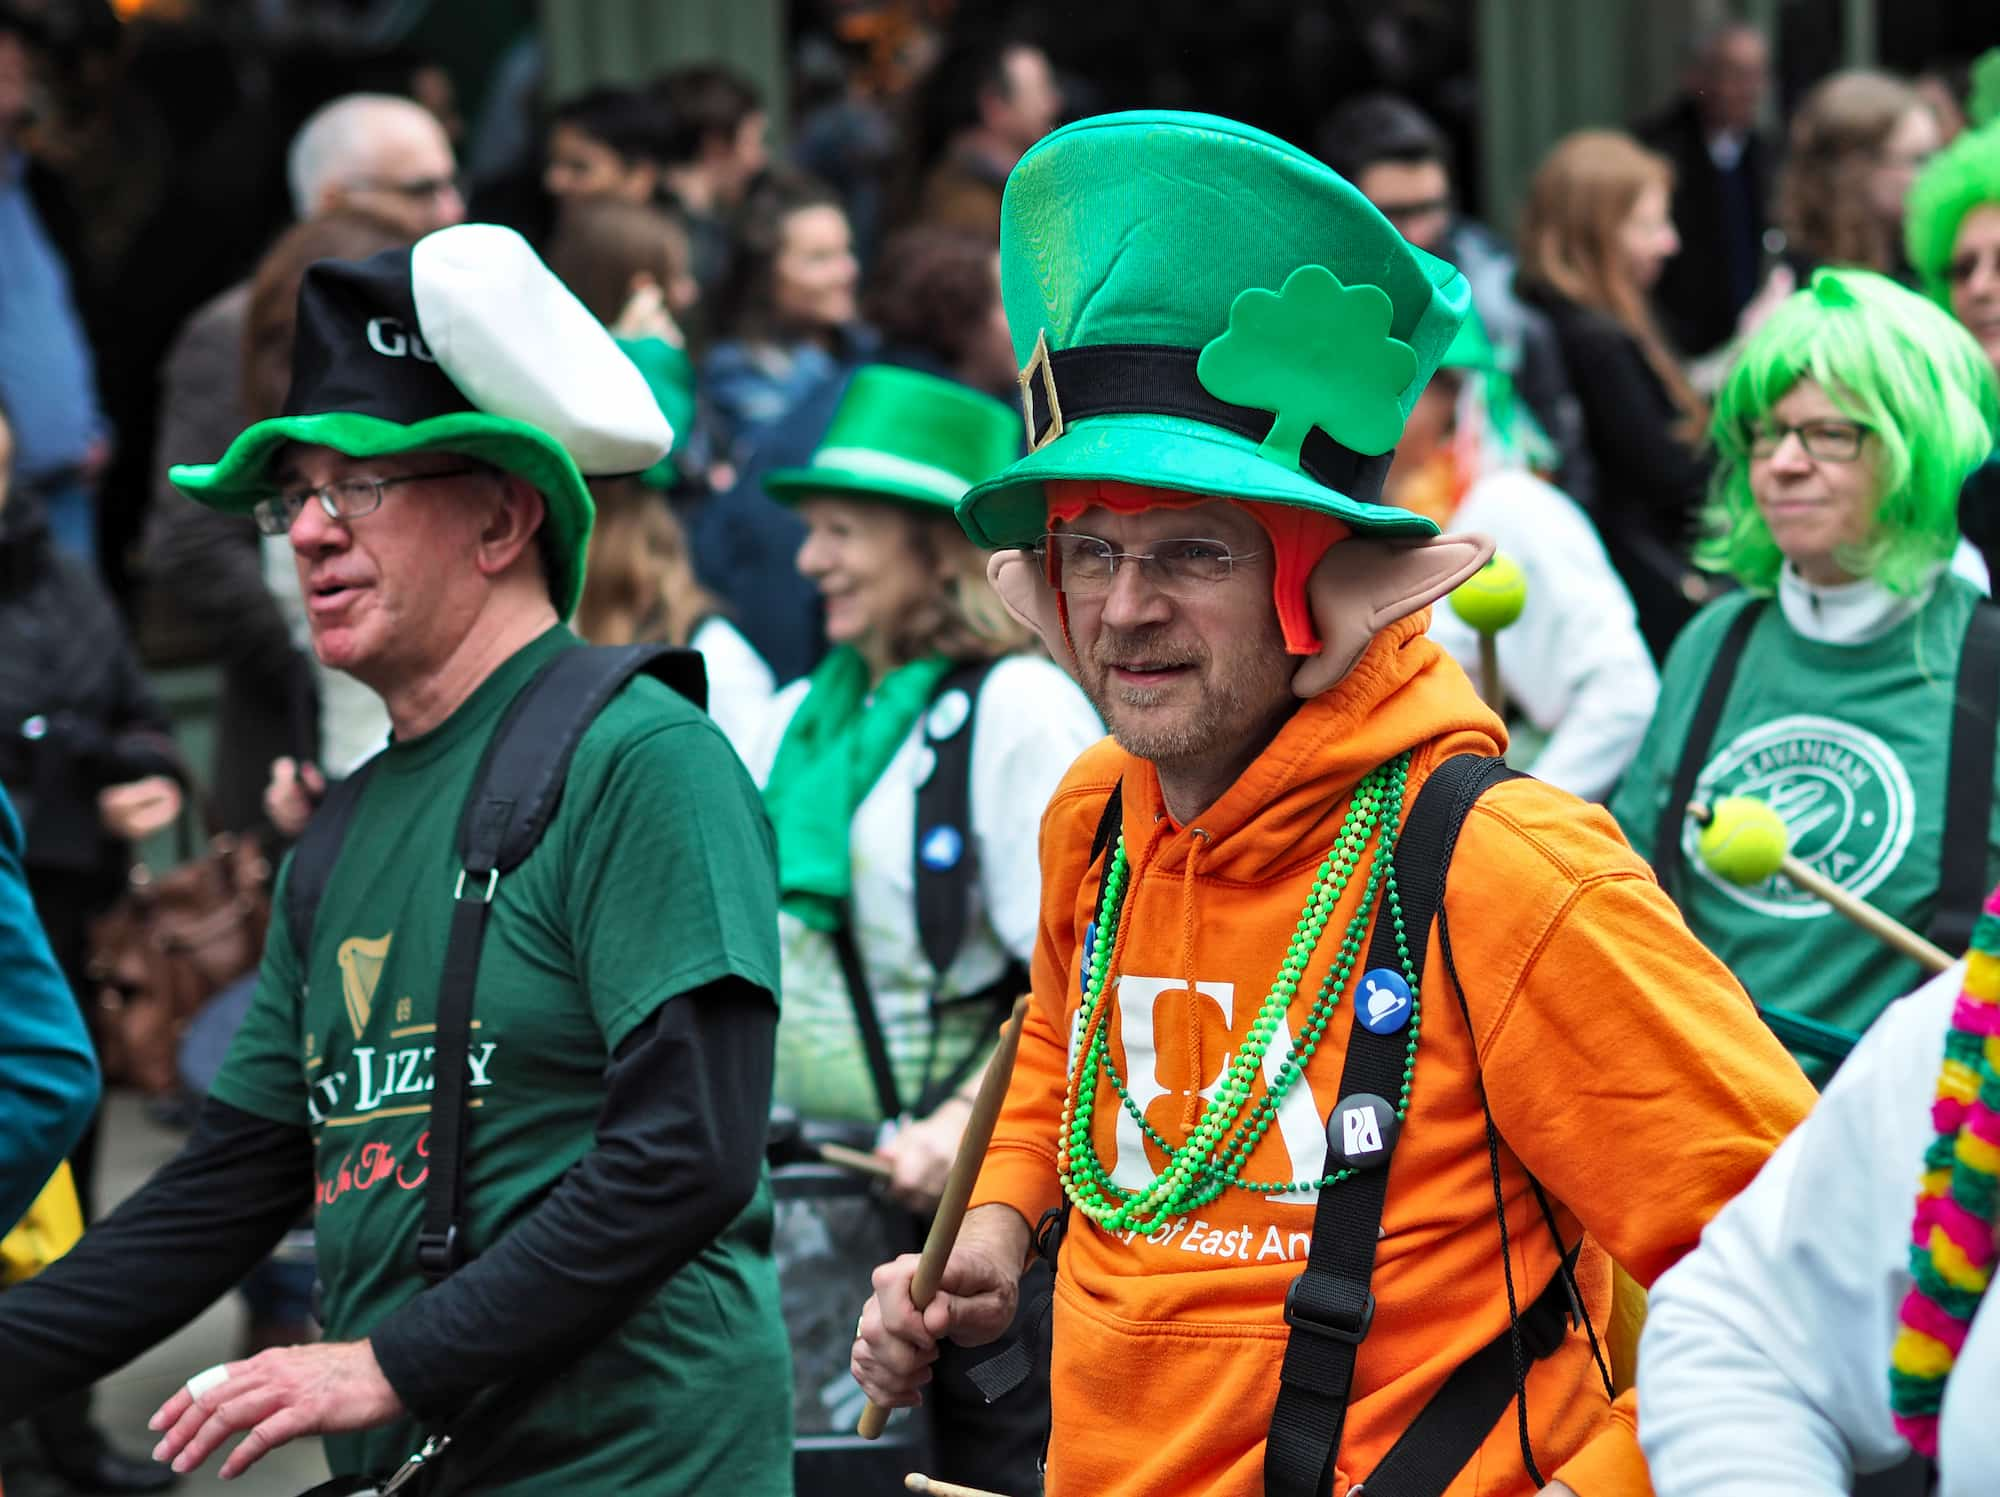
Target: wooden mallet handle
x,y
1891,932
916,1481
958,1185
858,1160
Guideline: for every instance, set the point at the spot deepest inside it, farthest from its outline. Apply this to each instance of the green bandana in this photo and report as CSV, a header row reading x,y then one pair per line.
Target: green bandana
x,y
839,742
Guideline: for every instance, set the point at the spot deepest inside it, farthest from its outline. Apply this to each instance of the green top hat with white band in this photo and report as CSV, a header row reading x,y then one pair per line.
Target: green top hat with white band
x,y
908,437
1199,306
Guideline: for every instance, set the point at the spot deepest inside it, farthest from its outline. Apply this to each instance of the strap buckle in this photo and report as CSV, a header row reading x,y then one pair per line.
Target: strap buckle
x,y
434,1447
485,896
1324,1320
439,1256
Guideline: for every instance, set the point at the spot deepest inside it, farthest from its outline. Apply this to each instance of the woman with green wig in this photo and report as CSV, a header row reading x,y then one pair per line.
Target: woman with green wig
x,y
1851,681
905,780
1952,235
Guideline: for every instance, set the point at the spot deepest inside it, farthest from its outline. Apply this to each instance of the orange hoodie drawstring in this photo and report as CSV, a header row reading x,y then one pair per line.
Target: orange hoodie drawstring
x,y
1197,839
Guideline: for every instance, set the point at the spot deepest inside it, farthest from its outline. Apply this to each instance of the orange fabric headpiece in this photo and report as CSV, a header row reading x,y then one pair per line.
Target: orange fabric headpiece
x,y
1299,538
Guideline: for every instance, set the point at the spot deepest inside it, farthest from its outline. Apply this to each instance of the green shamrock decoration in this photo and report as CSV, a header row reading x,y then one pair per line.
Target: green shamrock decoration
x,y
1315,353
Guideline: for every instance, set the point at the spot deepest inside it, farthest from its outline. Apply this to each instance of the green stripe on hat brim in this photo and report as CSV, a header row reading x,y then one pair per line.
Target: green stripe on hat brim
x,y
864,473
1164,452
242,478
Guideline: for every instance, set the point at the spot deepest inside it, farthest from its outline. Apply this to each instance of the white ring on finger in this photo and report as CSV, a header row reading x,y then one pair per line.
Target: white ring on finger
x,y
207,1379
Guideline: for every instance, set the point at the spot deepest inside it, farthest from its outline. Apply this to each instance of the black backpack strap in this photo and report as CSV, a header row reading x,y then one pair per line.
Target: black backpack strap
x,y
947,856
513,797
314,857
868,1023
1694,748
1968,798
1330,1306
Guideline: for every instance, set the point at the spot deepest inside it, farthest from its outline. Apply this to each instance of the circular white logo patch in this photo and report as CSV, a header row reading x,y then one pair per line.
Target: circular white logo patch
x,y
1845,797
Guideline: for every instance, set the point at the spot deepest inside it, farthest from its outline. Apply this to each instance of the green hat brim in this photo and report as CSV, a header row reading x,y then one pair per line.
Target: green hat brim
x,y
1165,452
242,478
790,485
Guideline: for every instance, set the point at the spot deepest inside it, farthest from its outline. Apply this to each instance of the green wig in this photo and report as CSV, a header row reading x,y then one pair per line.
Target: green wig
x,y
1963,176
1892,362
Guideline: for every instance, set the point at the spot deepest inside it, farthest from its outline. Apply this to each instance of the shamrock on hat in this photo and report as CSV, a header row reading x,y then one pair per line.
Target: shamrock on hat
x,y
463,342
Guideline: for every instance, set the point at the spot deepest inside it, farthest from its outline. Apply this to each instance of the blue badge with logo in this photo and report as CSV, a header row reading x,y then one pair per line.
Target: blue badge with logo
x,y
941,849
1089,951
1383,1004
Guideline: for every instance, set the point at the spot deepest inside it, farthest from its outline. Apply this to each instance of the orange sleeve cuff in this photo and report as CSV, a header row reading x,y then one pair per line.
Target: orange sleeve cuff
x,y
1611,1464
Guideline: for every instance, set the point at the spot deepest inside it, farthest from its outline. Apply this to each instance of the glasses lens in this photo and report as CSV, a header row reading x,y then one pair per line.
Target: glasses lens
x,y
354,496
1085,562
1192,562
1832,441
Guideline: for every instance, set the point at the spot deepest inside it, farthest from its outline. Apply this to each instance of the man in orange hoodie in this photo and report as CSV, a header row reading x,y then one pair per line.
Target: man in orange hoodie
x,y
1334,1180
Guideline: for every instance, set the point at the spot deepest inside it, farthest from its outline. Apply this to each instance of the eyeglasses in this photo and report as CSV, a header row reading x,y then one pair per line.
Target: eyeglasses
x,y
347,499
1824,441
416,190
1086,565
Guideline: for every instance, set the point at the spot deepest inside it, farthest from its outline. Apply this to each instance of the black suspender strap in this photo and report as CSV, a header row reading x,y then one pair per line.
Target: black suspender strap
x,y
514,795
1968,798
1694,749
867,1023
947,856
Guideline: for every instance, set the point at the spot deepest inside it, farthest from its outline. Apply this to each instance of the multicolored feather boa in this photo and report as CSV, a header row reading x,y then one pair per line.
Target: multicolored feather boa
x,y
1952,1236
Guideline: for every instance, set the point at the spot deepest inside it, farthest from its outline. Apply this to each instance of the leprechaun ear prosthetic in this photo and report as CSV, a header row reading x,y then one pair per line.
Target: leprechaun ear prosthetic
x,y
1202,309
464,342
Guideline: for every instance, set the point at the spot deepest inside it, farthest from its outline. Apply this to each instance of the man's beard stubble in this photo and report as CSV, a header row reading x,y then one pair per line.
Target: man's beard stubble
x,y
1217,720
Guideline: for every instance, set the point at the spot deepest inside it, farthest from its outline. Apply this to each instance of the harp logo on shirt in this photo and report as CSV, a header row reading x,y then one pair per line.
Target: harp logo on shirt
x,y
1845,797
360,959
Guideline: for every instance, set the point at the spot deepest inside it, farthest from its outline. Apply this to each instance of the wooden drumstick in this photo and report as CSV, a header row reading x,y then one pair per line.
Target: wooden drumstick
x,y
916,1481
858,1160
958,1185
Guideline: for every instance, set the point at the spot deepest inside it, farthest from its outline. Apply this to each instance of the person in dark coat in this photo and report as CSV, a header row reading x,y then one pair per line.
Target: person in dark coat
x,y
87,758
1402,163
1723,171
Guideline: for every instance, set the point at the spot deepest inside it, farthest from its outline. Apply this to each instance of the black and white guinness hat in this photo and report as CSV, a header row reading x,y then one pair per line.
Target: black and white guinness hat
x,y
462,342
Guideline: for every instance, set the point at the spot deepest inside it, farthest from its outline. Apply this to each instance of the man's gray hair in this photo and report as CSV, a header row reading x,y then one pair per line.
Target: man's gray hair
x,y
324,151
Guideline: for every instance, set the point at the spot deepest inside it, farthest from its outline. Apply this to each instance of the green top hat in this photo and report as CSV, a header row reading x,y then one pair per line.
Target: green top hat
x,y
1199,306
906,436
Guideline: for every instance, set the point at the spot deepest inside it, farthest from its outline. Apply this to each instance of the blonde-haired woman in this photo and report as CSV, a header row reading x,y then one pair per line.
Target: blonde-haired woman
x,y
1594,237
1857,143
640,587
905,779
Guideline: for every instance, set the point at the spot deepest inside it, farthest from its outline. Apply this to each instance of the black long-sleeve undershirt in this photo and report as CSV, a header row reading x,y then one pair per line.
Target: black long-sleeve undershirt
x,y
679,1143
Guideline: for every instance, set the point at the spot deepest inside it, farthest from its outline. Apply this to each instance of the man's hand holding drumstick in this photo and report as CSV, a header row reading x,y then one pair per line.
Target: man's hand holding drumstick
x,y
896,1342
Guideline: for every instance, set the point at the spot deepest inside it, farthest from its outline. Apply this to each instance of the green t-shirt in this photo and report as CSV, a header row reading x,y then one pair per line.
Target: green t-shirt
x,y
1849,743
655,876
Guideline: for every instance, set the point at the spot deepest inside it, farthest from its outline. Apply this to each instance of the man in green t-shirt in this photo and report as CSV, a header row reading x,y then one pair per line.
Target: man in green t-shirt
x,y
618,1070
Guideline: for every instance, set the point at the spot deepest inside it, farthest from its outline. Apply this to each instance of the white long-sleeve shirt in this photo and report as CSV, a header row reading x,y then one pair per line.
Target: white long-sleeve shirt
x,y
1764,1366
1574,663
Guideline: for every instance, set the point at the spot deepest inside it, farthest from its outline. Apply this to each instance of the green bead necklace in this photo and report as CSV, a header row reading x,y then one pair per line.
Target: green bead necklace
x,y
1225,1135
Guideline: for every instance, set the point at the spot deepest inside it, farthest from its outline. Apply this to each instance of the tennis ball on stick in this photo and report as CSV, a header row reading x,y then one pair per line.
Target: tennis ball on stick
x,y
1745,840
1492,597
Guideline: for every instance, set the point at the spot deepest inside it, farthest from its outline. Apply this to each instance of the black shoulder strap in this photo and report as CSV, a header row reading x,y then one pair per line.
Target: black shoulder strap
x,y
1694,749
513,797
947,857
1330,1306
313,858
867,1023
1968,797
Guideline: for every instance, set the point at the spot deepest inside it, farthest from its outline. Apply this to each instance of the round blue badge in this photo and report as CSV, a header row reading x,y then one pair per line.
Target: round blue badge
x,y
941,848
1383,1003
